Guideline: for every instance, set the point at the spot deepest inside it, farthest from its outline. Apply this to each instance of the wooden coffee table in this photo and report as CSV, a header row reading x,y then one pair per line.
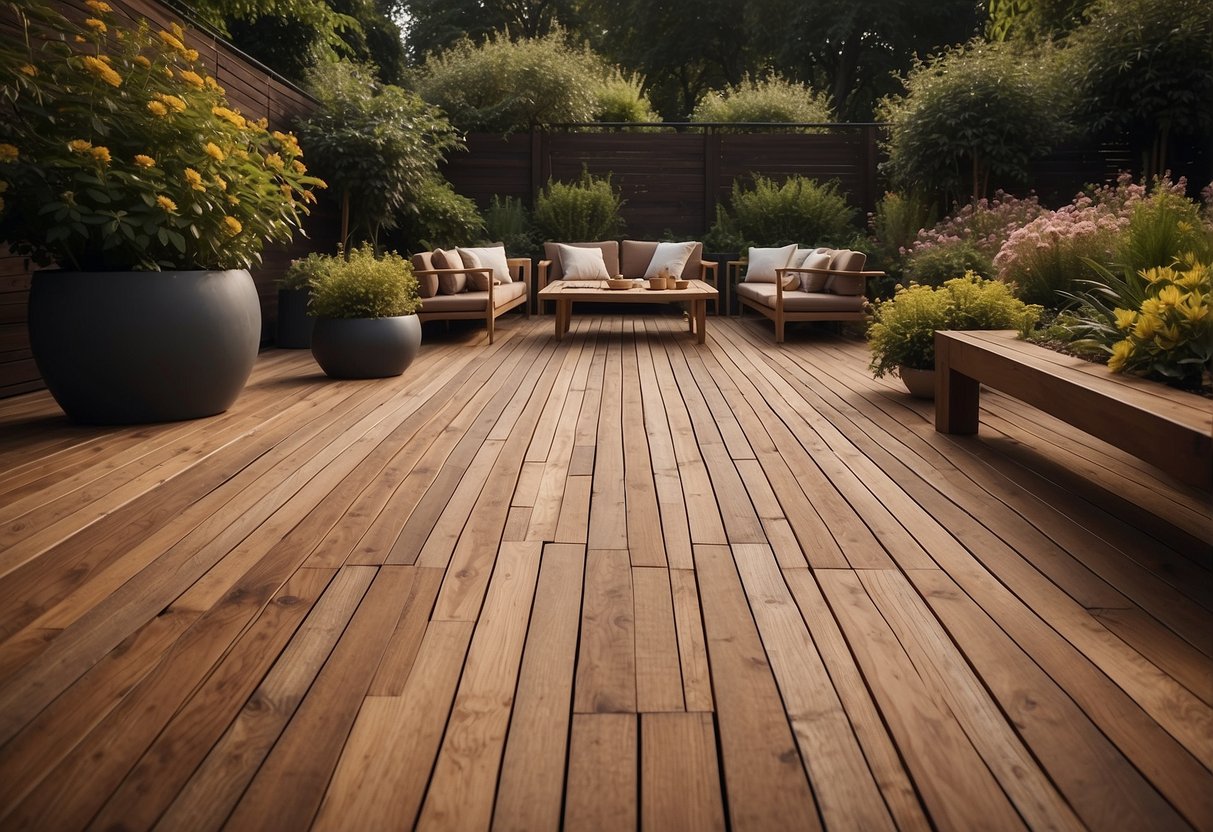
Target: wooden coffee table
x,y
566,292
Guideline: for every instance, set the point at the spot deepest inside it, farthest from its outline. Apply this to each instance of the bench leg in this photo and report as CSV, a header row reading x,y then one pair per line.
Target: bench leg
x,y
701,320
957,396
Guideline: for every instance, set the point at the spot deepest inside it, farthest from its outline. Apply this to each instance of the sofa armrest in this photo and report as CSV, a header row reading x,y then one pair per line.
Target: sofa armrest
x,y
523,264
712,266
544,267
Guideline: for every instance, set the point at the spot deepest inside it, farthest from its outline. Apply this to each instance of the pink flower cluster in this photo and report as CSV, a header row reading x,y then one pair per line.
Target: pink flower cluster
x,y
985,225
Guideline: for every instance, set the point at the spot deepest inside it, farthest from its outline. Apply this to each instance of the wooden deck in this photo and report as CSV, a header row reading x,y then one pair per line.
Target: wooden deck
x,y
613,581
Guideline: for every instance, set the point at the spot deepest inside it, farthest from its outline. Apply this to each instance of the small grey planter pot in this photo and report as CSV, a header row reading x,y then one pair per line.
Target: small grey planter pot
x,y
920,383
366,347
137,347
294,323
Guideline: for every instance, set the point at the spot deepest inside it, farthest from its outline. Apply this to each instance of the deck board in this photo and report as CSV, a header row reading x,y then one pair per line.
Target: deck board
x,y
618,580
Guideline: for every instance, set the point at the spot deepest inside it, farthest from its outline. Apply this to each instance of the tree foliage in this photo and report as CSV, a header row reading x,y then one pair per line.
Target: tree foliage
x,y
976,112
771,99
1034,19
378,145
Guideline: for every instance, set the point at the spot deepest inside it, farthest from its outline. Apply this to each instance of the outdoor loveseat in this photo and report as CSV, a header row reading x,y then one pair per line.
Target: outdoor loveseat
x,y
472,284
791,284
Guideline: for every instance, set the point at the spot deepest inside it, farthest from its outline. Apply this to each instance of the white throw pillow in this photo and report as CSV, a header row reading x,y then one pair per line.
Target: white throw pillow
x,y
479,281
672,256
492,257
582,263
814,282
764,261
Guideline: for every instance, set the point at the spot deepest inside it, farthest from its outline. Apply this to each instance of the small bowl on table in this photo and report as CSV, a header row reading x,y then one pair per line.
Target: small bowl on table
x,y
619,283
682,284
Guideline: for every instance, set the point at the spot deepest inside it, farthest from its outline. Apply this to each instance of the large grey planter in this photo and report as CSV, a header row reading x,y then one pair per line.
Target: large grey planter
x,y
294,323
366,347
135,347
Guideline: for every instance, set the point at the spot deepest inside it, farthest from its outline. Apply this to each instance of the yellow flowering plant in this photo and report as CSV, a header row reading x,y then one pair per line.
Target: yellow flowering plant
x,y
118,151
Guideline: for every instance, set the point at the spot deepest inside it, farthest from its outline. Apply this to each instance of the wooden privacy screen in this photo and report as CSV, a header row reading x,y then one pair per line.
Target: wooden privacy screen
x,y
252,90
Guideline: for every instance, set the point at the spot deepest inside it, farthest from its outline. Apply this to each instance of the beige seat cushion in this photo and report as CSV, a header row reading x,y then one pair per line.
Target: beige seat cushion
x,y
474,301
610,256
797,301
427,284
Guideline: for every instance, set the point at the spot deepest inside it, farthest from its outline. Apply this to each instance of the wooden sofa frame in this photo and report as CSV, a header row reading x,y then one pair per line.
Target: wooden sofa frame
x,y
491,313
781,316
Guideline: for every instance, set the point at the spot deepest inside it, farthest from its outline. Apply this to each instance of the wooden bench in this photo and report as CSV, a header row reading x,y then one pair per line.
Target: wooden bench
x,y
1168,428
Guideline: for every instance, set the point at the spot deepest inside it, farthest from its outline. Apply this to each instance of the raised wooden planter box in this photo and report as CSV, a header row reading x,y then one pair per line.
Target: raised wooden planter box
x,y
1168,428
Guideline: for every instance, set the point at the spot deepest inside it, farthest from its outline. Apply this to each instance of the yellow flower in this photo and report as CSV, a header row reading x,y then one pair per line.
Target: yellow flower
x,y
80,39
221,183
1156,274
102,70
168,71
231,116
1168,296
190,55
171,101
143,61
95,24
1151,306
1121,351
192,78
144,161
212,84
194,178
1125,319
299,167
8,153
28,69
167,204
1146,327
157,108
178,29
287,192
233,200
79,145
232,226
1168,337
172,40
1194,307
101,154
274,161
98,6
280,136
214,152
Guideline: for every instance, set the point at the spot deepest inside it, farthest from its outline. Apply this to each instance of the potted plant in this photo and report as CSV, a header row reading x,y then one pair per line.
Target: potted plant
x,y
365,308
294,293
123,164
902,335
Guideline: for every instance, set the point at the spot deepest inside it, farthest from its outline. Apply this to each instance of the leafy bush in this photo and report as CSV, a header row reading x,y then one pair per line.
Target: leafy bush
x,y
1164,227
798,211
621,98
772,99
302,273
895,225
507,220
903,329
501,85
580,211
1154,321
439,217
985,224
363,285
378,144
975,112
932,265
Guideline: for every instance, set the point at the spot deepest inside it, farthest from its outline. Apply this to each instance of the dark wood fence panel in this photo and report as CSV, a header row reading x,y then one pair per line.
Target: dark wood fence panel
x,y
254,92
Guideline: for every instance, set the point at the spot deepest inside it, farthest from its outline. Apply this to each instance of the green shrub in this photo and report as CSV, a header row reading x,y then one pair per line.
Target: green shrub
x,y
364,286
903,329
440,217
894,227
302,273
507,220
771,99
621,98
379,146
1164,227
798,211
580,211
943,261
501,85
975,112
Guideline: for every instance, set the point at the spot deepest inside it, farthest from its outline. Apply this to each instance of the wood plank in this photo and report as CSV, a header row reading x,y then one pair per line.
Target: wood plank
x,y
401,653
679,778
658,672
692,647
644,515
383,771
606,663
603,773
608,509
764,778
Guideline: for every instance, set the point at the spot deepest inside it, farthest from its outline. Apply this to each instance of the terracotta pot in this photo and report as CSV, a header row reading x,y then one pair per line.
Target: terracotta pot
x,y
136,347
920,383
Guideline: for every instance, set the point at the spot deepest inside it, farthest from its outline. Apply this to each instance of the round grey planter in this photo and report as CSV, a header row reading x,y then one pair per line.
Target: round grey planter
x,y
920,383
135,347
294,323
366,347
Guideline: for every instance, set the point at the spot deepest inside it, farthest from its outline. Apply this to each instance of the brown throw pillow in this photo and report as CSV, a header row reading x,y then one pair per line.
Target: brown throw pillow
x,y
427,284
450,284
477,281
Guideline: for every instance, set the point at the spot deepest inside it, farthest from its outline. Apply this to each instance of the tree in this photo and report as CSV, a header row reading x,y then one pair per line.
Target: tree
x,y
437,25
1034,19
1144,68
772,99
974,112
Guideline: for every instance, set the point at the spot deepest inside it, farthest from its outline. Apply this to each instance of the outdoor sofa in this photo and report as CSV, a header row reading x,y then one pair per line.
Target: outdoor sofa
x,y
631,259
478,283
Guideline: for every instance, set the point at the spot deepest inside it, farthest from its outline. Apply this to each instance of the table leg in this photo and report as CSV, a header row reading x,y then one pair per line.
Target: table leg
x,y
558,318
701,320
568,316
